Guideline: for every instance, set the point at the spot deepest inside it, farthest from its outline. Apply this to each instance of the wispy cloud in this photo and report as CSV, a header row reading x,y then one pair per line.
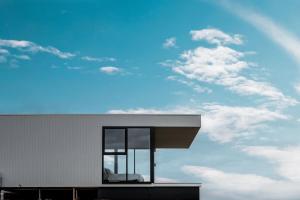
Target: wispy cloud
x,y
27,46
227,123
297,87
286,160
110,70
73,68
223,65
274,31
245,186
196,87
22,57
216,36
170,43
221,123
3,55
221,185
102,59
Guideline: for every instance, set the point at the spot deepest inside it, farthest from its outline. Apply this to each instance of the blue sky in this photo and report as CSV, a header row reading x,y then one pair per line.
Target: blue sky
x,y
235,62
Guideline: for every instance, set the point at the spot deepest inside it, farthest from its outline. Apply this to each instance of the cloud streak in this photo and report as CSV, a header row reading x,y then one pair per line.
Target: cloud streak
x,y
110,70
94,59
224,66
170,43
286,159
222,123
222,185
215,36
274,31
27,46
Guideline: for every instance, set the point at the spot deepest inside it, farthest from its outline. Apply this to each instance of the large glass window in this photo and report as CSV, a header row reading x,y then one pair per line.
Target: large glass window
x,y
127,155
114,140
139,152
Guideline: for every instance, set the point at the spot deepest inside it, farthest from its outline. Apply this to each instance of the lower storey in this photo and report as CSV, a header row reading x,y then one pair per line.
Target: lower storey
x,y
103,193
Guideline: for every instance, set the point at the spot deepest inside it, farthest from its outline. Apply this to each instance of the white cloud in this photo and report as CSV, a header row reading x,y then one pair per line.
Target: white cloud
x,y
175,110
22,57
221,185
287,160
226,123
73,68
224,66
280,35
215,36
4,52
3,55
110,70
297,87
31,47
94,59
221,123
169,43
196,87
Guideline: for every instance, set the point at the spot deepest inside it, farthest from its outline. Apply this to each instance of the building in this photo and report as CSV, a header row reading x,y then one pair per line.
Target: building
x,y
88,157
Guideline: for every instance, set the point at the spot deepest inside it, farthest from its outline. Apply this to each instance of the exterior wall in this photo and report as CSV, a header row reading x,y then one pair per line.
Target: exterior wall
x,y
46,151
64,150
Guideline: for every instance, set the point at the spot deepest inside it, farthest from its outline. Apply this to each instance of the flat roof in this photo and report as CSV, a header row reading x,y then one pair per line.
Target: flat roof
x,y
171,130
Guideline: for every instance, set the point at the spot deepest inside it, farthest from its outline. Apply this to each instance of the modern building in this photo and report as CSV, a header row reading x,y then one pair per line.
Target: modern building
x,y
89,157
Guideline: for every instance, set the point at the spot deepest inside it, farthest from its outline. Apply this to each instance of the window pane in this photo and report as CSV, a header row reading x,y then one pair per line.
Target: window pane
x,y
139,154
114,168
114,140
139,138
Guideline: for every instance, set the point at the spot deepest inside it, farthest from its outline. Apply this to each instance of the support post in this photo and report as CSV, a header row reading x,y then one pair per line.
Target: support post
x,y
40,194
2,195
75,194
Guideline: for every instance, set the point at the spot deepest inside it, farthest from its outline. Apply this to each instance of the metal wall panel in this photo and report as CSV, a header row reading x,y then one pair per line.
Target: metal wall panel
x,y
64,150
46,151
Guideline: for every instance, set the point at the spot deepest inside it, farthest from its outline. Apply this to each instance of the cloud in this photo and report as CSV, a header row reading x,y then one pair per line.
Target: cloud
x,y
103,59
278,34
110,70
170,43
22,57
3,55
196,87
221,123
175,110
215,36
27,46
222,185
222,65
286,159
226,123
73,68
297,87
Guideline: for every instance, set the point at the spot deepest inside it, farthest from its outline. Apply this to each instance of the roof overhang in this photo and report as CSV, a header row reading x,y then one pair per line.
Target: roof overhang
x,y
174,137
170,130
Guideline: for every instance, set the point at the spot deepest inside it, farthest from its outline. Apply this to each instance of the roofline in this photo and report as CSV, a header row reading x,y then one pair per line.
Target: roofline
x,y
102,114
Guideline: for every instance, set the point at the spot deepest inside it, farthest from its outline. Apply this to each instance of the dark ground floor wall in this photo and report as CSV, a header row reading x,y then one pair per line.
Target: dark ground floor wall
x,y
105,193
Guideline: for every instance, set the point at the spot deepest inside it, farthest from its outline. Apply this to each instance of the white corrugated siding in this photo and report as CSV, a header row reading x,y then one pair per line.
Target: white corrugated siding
x,y
50,151
64,150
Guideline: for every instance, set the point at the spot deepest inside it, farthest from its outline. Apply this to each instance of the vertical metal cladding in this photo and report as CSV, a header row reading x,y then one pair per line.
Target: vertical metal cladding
x,y
50,151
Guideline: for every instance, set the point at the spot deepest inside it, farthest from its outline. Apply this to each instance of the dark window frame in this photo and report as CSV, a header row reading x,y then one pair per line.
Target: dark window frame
x,y
152,150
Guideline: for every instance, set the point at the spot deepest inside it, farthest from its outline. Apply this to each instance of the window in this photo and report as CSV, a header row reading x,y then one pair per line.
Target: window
x,y
127,155
114,140
139,152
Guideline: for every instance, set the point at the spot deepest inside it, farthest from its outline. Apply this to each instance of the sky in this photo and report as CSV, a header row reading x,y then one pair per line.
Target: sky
x,y
237,63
